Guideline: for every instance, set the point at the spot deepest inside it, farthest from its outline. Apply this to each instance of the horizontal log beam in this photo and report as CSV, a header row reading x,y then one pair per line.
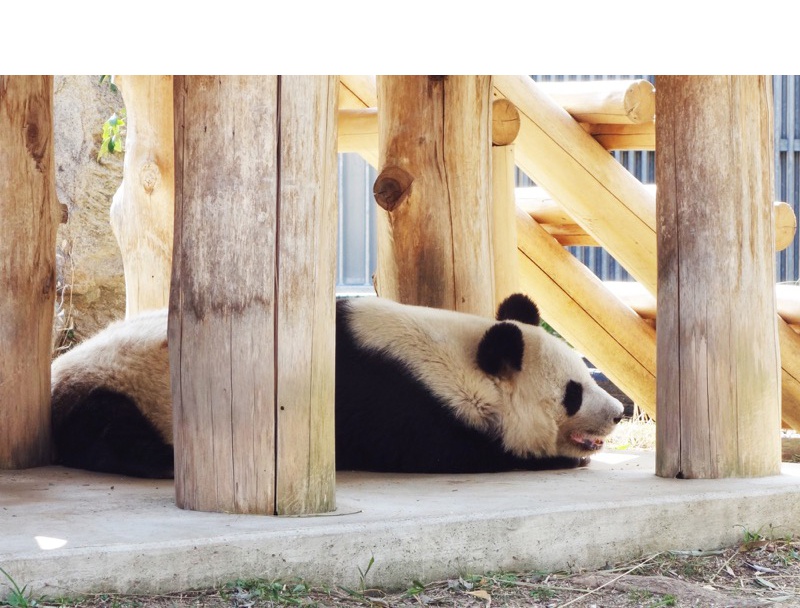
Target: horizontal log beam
x,y
542,207
623,137
605,101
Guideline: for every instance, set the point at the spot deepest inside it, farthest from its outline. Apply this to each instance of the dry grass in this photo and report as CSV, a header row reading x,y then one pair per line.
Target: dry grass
x,y
761,571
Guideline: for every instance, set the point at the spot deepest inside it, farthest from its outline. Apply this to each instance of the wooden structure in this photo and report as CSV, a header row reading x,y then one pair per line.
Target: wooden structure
x,y
28,218
251,301
143,207
251,328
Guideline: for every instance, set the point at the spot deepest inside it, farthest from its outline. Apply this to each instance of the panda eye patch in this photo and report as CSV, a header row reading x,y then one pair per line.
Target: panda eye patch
x,y
573,397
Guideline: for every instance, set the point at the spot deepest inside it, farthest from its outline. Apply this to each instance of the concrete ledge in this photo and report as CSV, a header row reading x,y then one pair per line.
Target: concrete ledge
x,y
66,532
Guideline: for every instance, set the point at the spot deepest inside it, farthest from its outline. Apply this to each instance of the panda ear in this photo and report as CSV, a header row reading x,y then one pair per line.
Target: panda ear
x,y
518,307
500,350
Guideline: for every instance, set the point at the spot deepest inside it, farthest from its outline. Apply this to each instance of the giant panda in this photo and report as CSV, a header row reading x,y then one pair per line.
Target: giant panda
x,y
418,390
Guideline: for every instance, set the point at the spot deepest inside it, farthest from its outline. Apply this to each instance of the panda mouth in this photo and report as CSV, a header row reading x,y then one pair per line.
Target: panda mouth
x,y
585,441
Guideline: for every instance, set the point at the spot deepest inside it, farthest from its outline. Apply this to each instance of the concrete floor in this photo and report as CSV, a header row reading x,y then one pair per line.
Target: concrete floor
x,y
66,532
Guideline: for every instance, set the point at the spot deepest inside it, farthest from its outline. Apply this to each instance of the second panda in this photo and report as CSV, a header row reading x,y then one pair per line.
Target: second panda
x,y
418,390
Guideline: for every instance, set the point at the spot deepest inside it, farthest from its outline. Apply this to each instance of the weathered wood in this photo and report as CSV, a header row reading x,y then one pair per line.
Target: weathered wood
x,y
607,201
142,210
718,361
251,330
504,226
29,217
437,243
556,221
577,304
605,101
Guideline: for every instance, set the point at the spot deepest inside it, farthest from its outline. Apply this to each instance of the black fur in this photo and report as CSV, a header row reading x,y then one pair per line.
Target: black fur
x,y
386,420
106,432
573,397
518,307
501,349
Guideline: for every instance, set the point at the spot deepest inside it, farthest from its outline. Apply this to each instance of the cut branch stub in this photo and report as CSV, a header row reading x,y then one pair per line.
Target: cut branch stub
x,y
392,187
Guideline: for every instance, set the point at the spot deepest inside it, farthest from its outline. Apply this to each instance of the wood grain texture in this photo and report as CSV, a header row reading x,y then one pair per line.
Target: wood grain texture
x,y
577,304
435,248
504,224
607,201
29,216
142,212
251,307
718,360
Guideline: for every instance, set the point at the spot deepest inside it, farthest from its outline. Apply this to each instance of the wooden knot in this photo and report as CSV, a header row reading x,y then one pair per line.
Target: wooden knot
x,y
149,176
392,187
505,122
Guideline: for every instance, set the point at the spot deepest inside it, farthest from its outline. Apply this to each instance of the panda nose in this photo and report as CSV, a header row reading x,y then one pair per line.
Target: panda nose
x,y
617,420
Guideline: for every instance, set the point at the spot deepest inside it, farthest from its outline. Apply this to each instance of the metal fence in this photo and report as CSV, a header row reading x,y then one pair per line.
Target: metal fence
x,y
357,248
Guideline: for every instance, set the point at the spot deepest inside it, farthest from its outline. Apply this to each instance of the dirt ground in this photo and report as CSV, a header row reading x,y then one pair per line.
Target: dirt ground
x,y
762,571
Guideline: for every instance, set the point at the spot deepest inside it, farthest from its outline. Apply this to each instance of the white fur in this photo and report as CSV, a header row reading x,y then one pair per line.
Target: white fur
x,y
128,356
440,348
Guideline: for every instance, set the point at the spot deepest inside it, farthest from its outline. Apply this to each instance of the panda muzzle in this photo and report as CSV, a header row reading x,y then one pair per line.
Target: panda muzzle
x,y
590,443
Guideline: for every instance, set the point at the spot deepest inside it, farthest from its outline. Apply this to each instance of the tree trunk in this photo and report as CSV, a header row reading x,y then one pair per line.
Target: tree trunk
x,y
29,217
434,245
143,208
252,305
719,386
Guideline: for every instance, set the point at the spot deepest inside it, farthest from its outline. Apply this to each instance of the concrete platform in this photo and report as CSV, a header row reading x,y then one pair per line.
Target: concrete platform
x,y
65,532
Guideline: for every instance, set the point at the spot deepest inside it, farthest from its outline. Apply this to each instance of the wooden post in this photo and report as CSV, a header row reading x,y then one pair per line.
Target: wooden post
x,y
251,328
143,208
435,187
505,126
719,384
29,217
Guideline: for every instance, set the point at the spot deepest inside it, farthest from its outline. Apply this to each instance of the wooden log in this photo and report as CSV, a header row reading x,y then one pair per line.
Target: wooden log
x,y
719,376
251,330
576,303
504,226
356,92
29,217
505,122
605,101
604,198
623,137
437,242
556,221
142,210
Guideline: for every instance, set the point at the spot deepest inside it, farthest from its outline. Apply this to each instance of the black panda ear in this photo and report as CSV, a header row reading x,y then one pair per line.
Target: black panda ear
x,y
518,307
501,348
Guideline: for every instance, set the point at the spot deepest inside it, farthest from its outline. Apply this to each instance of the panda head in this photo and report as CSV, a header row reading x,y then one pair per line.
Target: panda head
x,y
549,404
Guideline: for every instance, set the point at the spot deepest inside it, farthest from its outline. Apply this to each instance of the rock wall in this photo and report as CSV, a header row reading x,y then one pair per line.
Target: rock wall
x,y
91,284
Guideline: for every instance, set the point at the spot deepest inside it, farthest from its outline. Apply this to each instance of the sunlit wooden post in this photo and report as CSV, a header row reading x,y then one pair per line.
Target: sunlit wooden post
x,y
143,208
28,220
251,327
718,363
434,244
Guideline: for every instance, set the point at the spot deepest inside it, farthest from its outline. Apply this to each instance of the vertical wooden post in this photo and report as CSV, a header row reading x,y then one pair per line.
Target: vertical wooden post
x,y
28,221
143,208
434,246
718,363
505,127
251,328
